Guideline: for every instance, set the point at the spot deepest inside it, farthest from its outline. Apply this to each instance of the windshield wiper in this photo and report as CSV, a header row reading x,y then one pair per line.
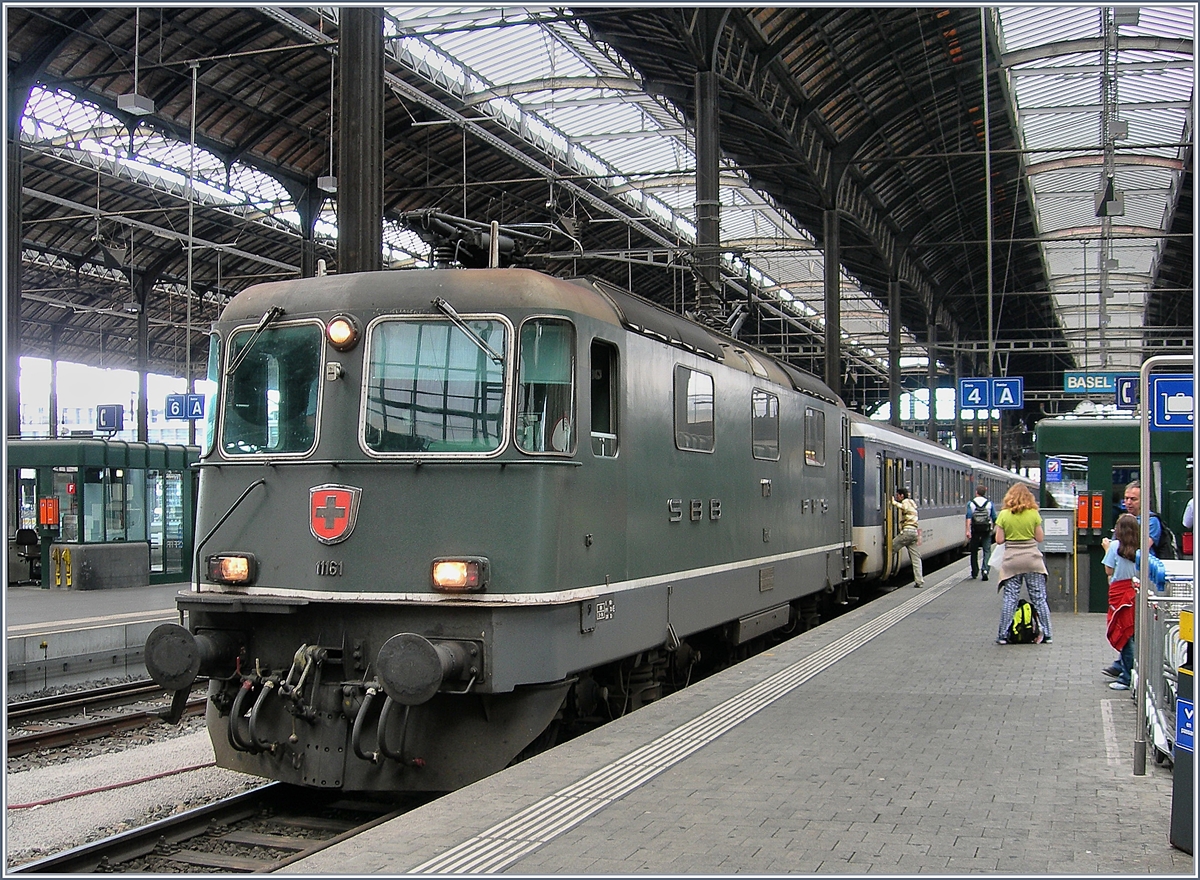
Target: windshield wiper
x,y
271,314
456,319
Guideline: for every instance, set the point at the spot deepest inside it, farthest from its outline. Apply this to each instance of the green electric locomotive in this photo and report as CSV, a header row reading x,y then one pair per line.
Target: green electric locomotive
x,y
445,513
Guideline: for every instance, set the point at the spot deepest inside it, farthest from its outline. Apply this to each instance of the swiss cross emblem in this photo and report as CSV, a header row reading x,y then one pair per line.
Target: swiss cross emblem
x,y
332,510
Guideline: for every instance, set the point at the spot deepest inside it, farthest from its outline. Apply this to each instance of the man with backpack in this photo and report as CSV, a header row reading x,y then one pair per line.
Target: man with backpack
x,y
981,521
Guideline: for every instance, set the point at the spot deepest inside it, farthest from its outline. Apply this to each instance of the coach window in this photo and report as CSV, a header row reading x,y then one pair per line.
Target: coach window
x,y
546,386
694,428
604,399
814,436
764,425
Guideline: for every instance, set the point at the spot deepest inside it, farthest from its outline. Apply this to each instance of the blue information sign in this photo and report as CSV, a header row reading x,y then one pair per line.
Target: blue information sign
x,y
1008,393
185,406
974,394
1127,392
1172,403
1185,724
110,417
1053,470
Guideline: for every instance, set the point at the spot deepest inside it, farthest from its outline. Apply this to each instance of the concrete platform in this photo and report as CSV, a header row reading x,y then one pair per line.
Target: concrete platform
x,y
58,637
896,739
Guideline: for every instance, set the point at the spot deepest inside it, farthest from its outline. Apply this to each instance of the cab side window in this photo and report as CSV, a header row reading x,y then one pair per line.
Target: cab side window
x,y
694,427
604,399
814,436
764,425
546,386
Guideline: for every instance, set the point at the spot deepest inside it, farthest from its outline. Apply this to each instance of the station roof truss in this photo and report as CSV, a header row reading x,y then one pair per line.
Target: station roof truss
x,y
574,128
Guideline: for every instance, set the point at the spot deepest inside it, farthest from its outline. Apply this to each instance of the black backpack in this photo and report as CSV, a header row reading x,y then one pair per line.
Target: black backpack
x,y
1165,548
1024,629
981,519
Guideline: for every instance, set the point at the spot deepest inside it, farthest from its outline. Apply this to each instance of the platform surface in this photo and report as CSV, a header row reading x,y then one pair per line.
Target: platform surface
x,y
29,606
68,637
897,739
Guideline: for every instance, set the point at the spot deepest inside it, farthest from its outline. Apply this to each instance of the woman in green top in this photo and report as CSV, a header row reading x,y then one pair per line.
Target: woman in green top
x,y
1019,529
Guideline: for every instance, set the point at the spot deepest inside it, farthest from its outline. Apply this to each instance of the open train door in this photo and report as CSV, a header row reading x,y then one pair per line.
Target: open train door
x,y
891,479
847,535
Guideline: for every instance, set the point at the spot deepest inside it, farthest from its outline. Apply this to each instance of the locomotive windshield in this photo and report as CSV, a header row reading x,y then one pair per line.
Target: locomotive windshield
x,y
271,396
432,388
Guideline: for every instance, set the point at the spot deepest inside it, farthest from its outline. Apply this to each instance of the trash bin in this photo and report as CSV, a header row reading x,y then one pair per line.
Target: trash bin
x,y
1058,551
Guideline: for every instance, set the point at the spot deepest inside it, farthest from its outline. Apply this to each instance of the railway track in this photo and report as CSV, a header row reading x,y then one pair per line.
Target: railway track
x,y
61,720
257,831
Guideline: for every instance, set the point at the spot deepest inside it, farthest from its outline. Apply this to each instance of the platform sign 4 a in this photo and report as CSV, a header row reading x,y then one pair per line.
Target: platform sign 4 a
x,y
974,394
1172,402
1008,393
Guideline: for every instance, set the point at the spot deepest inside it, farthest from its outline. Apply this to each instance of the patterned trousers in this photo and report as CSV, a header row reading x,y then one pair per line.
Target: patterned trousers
x,y
1035,585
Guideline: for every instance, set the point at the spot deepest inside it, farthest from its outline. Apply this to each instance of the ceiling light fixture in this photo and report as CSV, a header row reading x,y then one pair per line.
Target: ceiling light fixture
x,y
328,182
135,104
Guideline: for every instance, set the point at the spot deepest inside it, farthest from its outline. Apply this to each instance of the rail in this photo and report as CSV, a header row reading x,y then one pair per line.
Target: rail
x,y
260,831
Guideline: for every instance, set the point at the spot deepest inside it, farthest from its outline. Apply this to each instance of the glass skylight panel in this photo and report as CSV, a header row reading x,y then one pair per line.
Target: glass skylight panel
x,y
1153,97
1036,26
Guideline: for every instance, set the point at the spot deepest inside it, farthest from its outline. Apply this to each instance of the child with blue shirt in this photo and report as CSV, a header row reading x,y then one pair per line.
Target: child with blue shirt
x,y
1119,563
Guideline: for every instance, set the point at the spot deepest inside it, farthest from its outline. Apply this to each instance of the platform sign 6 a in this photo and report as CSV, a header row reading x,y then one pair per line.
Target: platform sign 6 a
x,y
185,406
1172,403
1127,392
1008,393
974,394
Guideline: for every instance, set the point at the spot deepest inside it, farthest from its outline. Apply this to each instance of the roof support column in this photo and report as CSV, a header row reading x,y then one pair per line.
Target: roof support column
x,y
708,194
360,138
958,424
13,209
894,350
309,207
833,302
932,347
55,336
143,356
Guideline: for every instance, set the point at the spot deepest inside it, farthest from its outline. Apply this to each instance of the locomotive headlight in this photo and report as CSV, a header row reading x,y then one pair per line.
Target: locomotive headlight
x,y
232,568
342,332
467,574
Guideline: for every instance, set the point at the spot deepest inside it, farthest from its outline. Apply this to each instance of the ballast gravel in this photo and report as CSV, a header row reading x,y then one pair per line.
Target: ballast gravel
x,y
34,832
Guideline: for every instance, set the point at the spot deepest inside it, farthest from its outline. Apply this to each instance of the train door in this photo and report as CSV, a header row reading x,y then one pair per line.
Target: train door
x,y
892,478
847,491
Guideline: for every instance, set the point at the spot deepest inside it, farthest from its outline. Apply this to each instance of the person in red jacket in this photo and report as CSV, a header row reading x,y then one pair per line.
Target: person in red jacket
x,y
1119,563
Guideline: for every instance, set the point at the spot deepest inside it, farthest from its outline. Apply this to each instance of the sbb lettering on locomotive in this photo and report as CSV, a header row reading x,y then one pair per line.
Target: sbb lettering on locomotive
x,y
696,508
